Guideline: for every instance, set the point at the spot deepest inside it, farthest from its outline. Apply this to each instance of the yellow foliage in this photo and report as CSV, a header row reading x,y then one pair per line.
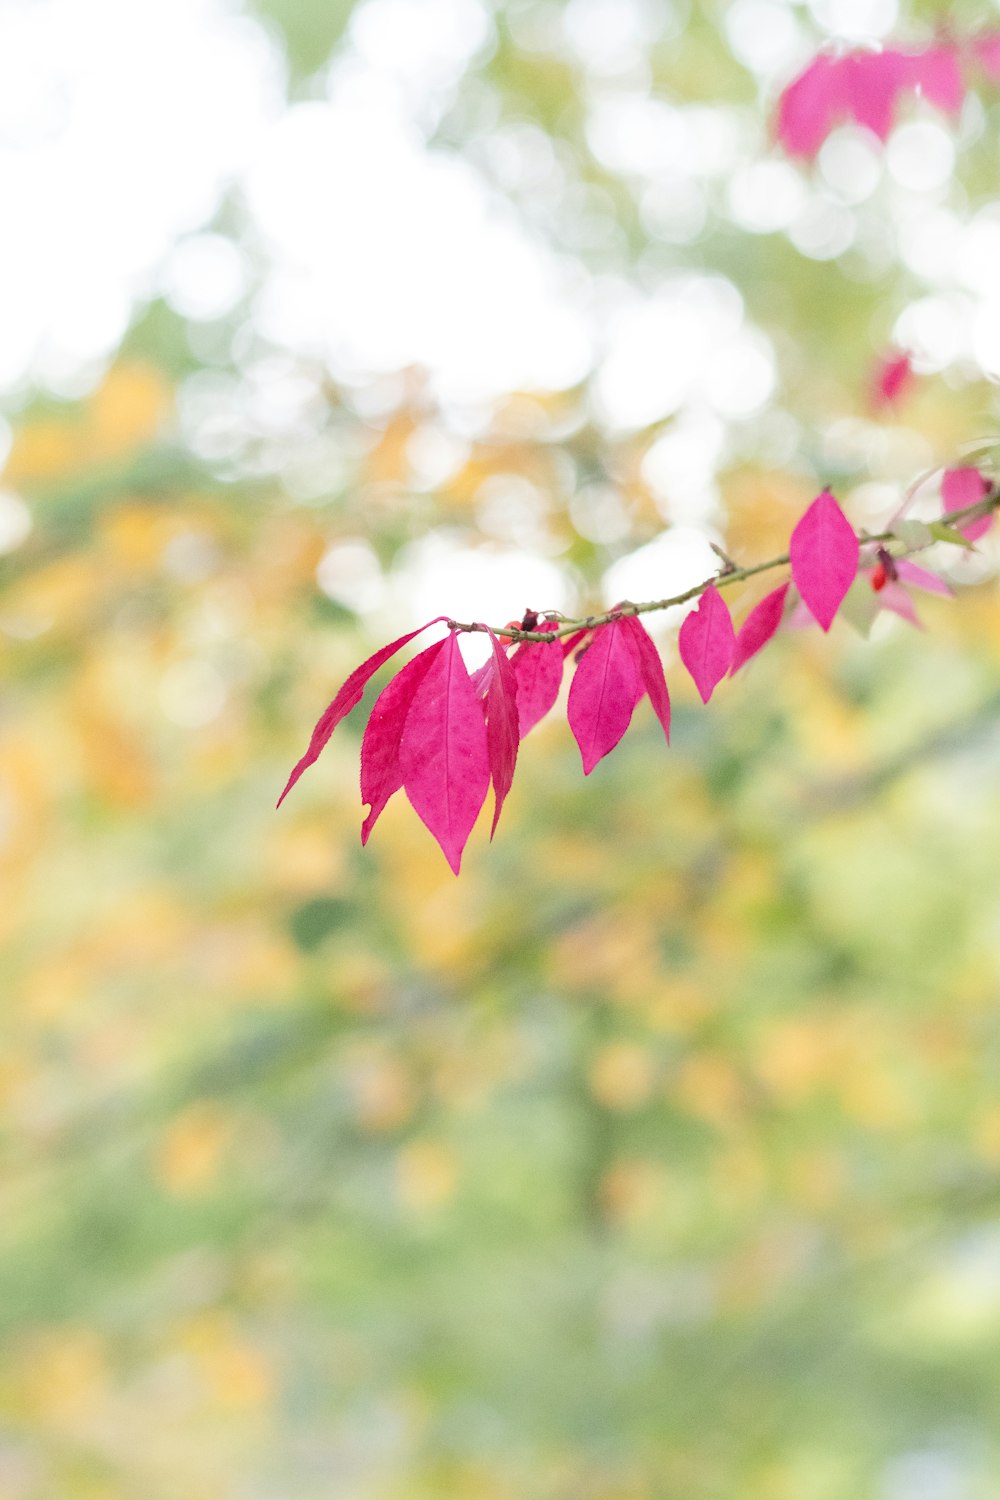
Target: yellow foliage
x,y
63,1375
189,1154
426,1174
621,1076
707,1086
236,1372
631,1190
384,1094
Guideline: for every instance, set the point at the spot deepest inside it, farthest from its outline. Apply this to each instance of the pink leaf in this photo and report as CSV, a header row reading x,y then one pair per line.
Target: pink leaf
x,y
873,84
482,677
896,599
987,50
706,642
502,728
935,72
606,687
920,578
799,617
349,697
824,553
961,488
538,668
443,754
759,626
381,775
809,107
891,379
650,670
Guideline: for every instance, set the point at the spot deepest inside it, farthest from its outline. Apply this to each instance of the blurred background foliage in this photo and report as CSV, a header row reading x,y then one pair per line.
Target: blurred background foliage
x,y
658,1157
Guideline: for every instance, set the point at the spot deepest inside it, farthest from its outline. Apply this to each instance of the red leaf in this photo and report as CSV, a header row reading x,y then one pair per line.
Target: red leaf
x,y
650,670
443,754
706,642
502,727
824,552
381,775
349,697
538,668
961,488
759,626
606,687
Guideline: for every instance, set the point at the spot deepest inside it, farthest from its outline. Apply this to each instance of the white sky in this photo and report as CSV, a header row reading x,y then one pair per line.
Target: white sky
x,y
124,122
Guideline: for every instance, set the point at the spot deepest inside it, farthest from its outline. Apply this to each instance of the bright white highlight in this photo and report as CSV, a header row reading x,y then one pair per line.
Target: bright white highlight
x,y
120,127
394,255
676,561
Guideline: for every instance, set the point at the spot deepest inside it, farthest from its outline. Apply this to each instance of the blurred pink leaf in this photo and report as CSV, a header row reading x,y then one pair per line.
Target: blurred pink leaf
x,y
809,106
911,573
964,487
891,378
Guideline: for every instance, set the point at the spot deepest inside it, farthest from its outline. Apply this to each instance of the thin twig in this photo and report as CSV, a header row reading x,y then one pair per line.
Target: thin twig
x,y
724,578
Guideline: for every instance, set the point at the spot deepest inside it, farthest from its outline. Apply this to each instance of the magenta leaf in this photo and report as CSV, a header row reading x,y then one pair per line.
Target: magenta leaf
x,y
650,670
538,668
964,487
809,107
873,84
706,642
987,50
481,679
824,552
606,687
502,726
912,573
759,626
348,697
895,598
443,753
936,73
381,775
890,381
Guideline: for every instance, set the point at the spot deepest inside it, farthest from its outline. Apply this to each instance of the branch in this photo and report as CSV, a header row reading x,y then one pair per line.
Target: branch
x,y
728,574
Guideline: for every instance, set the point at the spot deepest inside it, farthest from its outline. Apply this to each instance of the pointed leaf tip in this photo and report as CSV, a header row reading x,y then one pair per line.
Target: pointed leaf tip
x,y
443,752
651,672
758,628
606,687
824,553
538,668
961,488
502,727
381,774
707,641
347,698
